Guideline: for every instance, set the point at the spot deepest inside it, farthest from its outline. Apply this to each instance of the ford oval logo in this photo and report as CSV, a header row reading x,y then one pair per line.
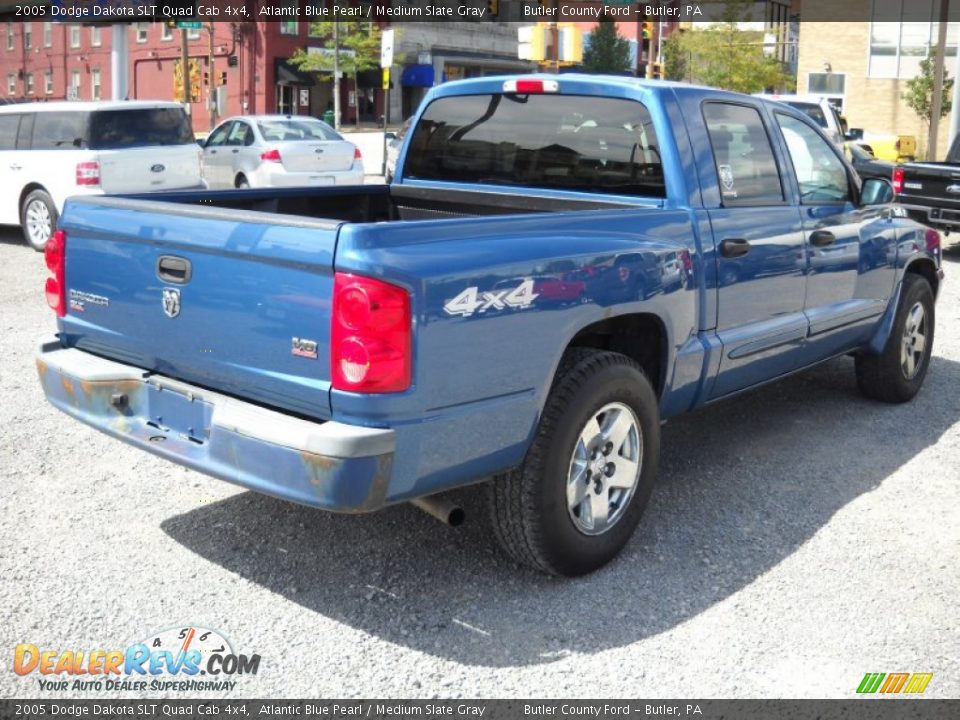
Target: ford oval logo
x,y
158,168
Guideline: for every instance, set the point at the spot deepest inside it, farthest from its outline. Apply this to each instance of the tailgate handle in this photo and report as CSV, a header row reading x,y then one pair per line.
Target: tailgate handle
x,y
173,269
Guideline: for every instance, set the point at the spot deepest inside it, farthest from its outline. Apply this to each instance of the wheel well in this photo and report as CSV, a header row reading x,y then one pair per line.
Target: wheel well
x,y
240,176
926,269
640,337
26,191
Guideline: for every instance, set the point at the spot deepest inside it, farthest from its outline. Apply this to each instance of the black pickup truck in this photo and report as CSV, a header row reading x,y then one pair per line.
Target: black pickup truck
x,y
930,191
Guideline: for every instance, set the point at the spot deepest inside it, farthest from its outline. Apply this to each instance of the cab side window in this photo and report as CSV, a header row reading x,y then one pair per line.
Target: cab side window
x,y
746,167
821,174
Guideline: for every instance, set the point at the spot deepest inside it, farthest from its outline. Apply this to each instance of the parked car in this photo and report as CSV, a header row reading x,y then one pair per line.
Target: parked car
x,y
930,191
394,143
413,350
866,163
253,151
49,151
820,110
893,148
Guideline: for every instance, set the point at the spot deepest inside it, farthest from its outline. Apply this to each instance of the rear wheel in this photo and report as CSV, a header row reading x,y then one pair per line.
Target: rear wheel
x,y
578,496
38,218
241,182
896,374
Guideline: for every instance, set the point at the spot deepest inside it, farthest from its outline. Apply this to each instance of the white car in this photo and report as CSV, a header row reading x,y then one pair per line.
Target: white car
x,y
253,151
394,143
50,151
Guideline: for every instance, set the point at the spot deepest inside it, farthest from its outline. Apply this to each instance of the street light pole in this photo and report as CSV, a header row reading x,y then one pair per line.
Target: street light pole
x,y
336,75
936,106
212,89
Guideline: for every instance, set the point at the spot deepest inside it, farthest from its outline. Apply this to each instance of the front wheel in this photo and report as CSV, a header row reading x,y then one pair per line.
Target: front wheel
x,y
578,496
896,374
38,218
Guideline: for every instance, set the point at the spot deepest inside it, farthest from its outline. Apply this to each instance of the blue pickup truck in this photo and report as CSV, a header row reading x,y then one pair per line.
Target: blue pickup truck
x,y
562,263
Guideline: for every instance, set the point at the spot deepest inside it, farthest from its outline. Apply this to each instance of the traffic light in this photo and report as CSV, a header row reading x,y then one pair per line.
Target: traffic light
x,y
494,7
647,30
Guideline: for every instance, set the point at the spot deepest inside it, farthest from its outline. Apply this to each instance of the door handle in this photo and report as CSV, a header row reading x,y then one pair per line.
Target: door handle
x,y
235,151
822,238
173,269
734,247
213,152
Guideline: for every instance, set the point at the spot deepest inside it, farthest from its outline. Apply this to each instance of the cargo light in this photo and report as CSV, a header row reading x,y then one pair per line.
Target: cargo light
x,y
531,87
88,173
271,156
55,254
370,340
897,180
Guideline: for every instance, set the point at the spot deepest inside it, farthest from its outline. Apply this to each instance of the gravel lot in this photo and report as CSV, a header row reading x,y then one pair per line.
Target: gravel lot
x,y
799,537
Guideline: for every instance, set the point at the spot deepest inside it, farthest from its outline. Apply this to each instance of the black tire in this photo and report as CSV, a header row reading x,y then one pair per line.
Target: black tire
x,y
242,183
884,377
32,204
529,507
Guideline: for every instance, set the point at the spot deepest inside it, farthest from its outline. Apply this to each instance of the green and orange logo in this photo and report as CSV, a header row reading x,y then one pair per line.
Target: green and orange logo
x,y
913,683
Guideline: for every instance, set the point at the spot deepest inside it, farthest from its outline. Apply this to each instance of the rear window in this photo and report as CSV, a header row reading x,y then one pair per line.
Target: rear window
x,y
590,144
59,130
812,110
117,129
294,130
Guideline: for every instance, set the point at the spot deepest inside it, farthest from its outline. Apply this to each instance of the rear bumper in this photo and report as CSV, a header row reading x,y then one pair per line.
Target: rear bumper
x,y
329,465
944,218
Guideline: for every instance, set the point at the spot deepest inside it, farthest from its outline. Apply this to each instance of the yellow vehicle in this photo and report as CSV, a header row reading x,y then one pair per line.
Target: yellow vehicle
x,y
892,148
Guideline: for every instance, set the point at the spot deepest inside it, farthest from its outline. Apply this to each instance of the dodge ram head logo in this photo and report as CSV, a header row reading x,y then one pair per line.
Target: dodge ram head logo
x,y
171,302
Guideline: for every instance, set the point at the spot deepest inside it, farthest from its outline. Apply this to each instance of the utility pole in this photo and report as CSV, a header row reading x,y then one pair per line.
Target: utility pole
x,y
212,87
119,61
336,75
185,69
937,103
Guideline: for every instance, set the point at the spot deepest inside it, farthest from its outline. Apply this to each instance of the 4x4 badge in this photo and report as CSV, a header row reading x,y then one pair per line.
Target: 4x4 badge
x,y
171,302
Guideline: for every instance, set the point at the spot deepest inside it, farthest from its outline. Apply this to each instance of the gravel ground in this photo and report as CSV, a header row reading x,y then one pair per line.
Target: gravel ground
x,y
799,537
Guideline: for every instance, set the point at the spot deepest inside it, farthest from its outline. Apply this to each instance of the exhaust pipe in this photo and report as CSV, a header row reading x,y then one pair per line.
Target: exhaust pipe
x,y
443,510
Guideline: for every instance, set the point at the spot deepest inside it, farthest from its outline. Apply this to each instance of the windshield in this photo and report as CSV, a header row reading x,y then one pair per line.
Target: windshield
x,y
598,145
115,129
814,111
296,130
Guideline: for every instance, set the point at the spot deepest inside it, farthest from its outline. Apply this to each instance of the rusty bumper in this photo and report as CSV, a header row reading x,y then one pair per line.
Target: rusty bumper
x,y
330,465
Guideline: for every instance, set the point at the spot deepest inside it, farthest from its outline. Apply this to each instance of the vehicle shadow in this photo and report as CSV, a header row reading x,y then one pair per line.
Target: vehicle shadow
x,y
742,486
11,235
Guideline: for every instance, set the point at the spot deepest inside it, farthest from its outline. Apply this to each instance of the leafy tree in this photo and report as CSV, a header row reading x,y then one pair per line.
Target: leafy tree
x,y
359,43
725,56
608,52
919,94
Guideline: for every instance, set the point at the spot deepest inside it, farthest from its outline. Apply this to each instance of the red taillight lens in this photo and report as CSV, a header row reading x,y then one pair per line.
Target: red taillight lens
x,y
898,180
55,253
932,240
356,154
370,342
271,156
88,173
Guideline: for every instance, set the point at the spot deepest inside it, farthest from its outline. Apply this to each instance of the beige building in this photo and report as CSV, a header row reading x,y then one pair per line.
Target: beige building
x,y
864,65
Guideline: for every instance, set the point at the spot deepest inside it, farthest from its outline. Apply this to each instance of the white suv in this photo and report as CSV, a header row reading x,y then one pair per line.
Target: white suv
x,y
49,151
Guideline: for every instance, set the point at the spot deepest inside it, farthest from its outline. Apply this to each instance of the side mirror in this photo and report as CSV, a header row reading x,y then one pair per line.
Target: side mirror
x,y
876,191
390,135
853,134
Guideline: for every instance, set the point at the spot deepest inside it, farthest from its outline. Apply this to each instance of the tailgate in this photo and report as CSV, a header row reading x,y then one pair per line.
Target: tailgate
x,y
211,296
142,169
930,184
326,156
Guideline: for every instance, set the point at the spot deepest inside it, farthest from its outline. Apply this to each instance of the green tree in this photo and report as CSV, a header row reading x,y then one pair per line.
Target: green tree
x,y
725,56
359,43
919,94
608,51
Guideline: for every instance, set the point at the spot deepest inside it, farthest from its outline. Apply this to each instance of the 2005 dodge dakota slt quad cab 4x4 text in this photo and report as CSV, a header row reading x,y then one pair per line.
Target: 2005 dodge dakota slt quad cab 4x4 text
x,y
561,263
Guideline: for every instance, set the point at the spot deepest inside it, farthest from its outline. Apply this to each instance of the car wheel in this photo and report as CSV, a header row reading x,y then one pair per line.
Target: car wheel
x,y
242,183
577,497
896,374
38,218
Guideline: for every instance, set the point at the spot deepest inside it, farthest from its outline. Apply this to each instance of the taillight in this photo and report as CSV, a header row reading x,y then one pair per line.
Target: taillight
x,y
88,173
370,342
932,241
271,156
528,87
55,253
898,180
356,154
